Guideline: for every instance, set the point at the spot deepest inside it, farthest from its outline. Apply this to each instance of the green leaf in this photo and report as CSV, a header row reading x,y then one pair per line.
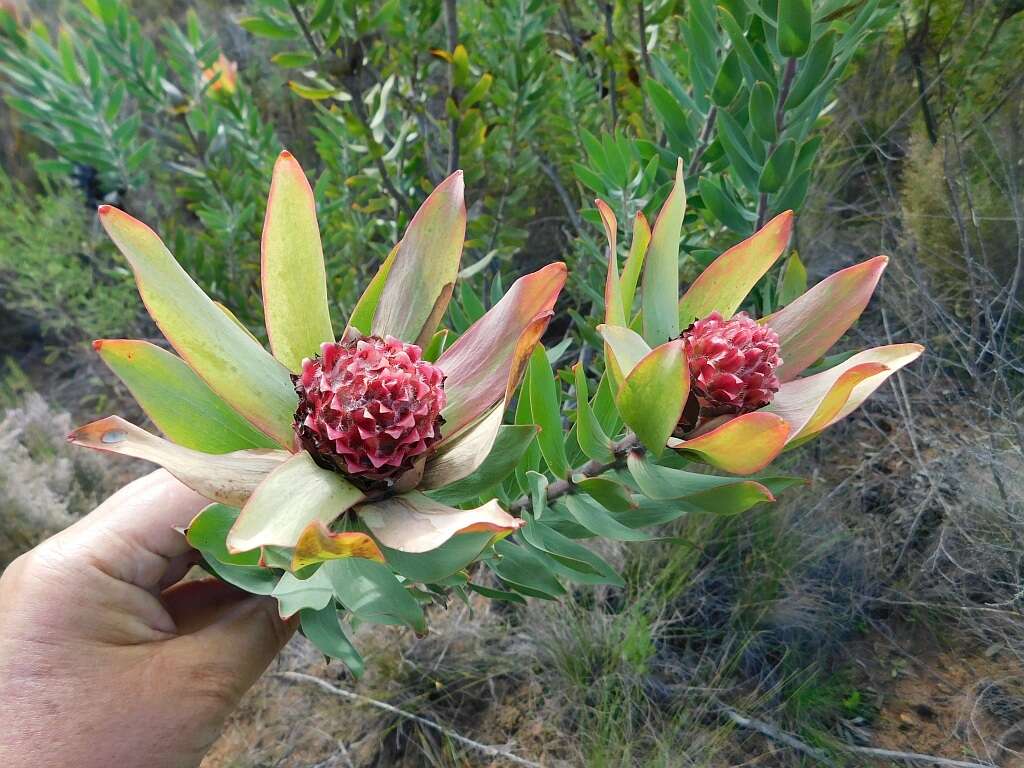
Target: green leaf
x,y
323,629
634,262
792,197
573,556
509,447
716,494
294,279
362,314
452,556
294,594
755,68
661,271
477,92
794,29
293,59
255,581
762,111
497,594
728,81
208,532
793,280
537,486
776,170
295,494
263,27
237,368
177,400
544,407
372,593
673,118
525,570
813,70
653,394
607,492
596,519
592,438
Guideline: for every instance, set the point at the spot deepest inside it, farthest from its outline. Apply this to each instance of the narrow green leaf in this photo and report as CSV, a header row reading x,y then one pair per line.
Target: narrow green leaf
x,y
793,280
432,566
592,438
525,570
323,629
762,111
776,170
661,272
596,519
510,446
794,29
544,406
372,593
294,278
177,400
362,315
208,532
634,262
728,81
573,556
294,594
813,70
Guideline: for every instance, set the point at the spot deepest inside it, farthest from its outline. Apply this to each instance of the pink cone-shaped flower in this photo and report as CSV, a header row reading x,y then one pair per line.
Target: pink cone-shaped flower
x,y
369,407
732,363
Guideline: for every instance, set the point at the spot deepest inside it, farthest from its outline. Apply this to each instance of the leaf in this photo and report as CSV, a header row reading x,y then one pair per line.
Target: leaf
x,y
716,494
722,207
255,581
841,297
625,349
263,27
477,92
295,494
485,364
613,305
525,570
596,519
653,394
776,170
371,592
318,543
510,444
742,445
292,267
362,315
427,261
461,456
323,629
412,522
596,445
634,262
452,556
813,70
762,111
293,59
661,272
238,369
792,281
794,28
229,478
607,492
727,81
209,530
813,403
573,556
725,284
294,594
177,400
756,69
544,405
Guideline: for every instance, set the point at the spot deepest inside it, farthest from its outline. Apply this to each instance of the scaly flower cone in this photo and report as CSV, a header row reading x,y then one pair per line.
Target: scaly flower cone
x,y
731,363
369,407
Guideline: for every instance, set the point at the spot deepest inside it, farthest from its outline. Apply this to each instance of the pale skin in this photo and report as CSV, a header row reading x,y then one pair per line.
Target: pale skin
x,y
107,658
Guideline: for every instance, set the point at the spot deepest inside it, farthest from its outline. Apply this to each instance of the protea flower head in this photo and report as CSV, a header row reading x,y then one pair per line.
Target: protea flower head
x,y
369,407
731,363
744,373
327,445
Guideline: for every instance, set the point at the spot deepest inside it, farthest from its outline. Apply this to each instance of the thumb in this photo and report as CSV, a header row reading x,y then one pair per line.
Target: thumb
x,y
231,651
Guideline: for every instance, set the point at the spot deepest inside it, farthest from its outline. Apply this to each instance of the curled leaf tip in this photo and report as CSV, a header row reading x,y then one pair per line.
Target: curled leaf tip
x,y
285,155
104,209
97,344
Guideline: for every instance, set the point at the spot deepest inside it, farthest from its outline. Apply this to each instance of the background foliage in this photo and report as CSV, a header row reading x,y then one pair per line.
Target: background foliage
x,y
897,129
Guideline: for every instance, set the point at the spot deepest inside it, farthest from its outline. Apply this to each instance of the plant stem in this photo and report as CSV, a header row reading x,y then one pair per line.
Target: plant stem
x,y
704,142
592,468
451,23
641,21
306,31
609,42
780,123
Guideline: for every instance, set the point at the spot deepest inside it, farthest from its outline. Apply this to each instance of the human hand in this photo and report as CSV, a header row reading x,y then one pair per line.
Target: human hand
x,y
106,659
